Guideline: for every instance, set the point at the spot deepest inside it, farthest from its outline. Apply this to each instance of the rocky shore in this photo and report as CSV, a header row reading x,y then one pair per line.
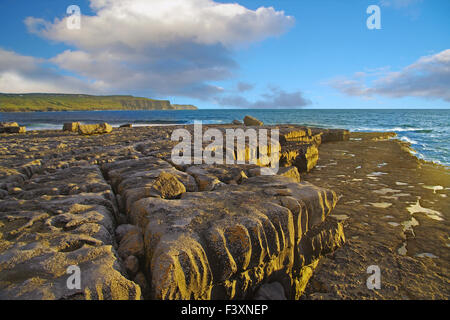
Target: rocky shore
x,y
142,227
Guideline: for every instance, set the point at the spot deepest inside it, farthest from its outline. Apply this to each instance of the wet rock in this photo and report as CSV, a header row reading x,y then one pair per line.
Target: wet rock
x,y
128,125
237,122
251,121
92,129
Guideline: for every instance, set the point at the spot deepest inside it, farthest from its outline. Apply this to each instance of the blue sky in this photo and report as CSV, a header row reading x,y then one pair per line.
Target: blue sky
x,y
309,54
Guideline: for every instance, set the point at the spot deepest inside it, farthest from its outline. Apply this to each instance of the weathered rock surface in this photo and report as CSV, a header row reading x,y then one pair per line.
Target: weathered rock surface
x,y
221,244
194,231
56,221
90,129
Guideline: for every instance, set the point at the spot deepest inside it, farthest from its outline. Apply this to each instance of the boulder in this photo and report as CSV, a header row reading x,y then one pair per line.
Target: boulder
x,y
167,186
71,126
13,130
237,122
128,125
251,121
8,124
91,129
11,127
304,156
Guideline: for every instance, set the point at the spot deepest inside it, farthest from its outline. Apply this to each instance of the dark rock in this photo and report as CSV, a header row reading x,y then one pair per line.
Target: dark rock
x,y
271,291
251,121
71,126
301,155
131,265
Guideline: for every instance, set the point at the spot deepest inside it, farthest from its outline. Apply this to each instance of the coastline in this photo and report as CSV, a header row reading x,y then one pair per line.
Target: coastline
x,y
372,207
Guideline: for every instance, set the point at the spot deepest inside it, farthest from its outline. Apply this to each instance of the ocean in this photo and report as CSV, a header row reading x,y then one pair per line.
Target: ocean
x,y
428,131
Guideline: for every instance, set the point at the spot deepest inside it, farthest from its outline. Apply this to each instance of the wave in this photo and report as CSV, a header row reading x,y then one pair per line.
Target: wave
x,y
406,139
395,129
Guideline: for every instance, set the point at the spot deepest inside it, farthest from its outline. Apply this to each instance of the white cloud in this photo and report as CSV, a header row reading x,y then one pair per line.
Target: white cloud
x,y
160,47
428,78
22,74
275,98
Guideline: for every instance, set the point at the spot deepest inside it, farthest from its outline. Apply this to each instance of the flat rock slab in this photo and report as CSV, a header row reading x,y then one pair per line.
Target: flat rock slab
x,y
57,221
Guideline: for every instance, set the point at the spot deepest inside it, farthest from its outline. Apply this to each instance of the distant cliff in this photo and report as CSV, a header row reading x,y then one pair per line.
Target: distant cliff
x,y
81,102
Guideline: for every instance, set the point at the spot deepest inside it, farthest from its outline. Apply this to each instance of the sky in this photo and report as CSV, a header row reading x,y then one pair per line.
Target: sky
x,y
240,54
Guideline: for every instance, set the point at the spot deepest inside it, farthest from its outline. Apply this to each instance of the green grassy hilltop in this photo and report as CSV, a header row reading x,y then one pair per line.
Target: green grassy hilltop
x,y
81,102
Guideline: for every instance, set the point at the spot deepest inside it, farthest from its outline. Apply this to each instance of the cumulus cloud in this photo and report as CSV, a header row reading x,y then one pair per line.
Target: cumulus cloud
x,y
274,99
428,77
160,47
22,74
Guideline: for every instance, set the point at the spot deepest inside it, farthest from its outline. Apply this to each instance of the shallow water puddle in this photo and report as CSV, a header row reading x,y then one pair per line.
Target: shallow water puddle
x,y
397,196
376,174
353,202
382,165
385,191
434,188
432,214
340,217
394,224
402,250
382,205
401,183
408,225
426,255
